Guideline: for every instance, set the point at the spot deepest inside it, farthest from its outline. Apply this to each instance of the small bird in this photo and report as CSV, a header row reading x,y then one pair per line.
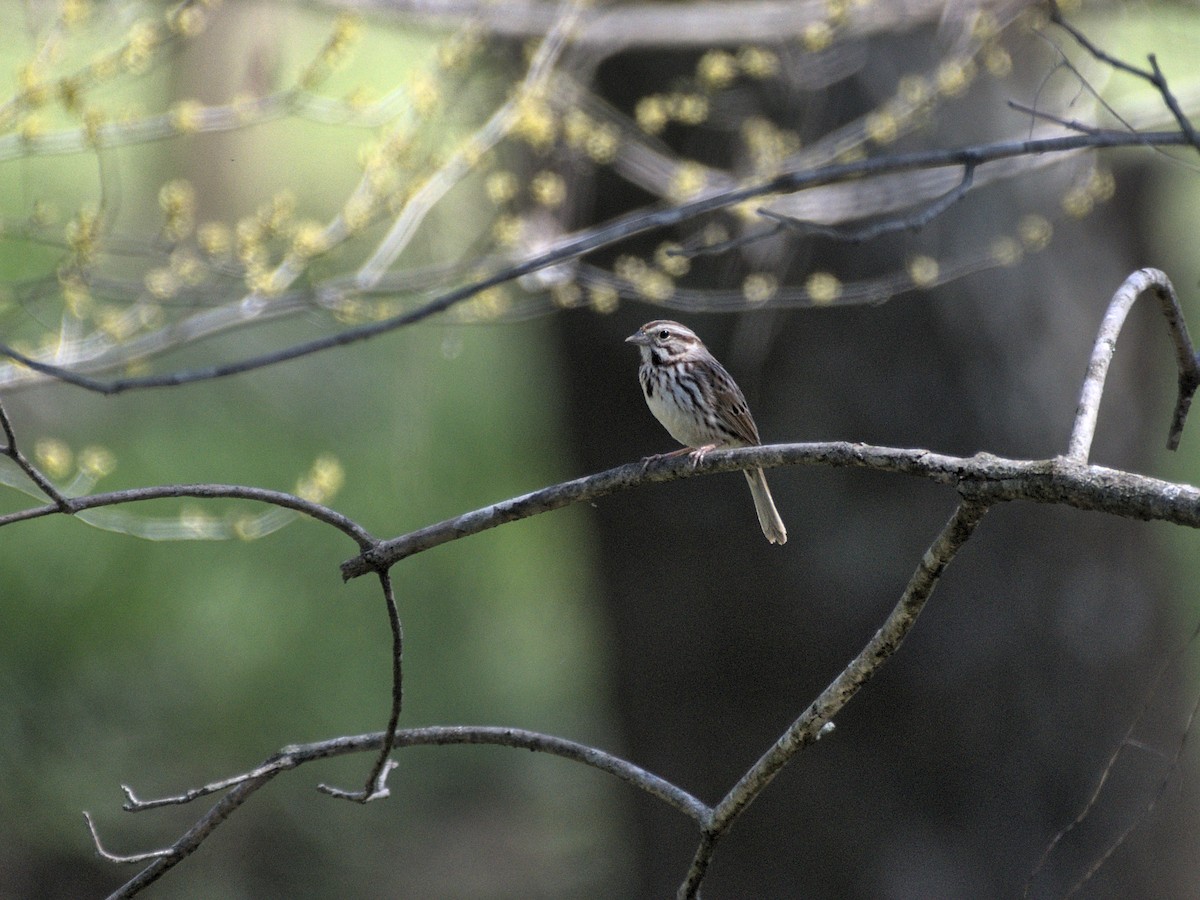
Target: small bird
x,y
700,405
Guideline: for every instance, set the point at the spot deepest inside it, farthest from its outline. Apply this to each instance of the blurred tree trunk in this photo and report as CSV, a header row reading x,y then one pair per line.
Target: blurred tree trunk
x,y
951,772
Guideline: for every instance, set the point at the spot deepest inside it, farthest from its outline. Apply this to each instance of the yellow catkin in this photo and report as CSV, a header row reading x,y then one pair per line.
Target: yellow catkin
x,y
97,462
548,189
1035,232
924,271
716,70
1005,251
759,287
823,288
501,186
669,260
604,298
215,238
54,456
651,114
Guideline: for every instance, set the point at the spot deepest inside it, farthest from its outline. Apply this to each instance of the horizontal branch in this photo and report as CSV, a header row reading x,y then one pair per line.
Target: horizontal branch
x,y
983,476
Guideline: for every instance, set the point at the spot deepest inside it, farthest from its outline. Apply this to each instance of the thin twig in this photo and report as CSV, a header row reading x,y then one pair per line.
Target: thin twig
x,y
376,787
1145,810
1131,289
169,857
1072,124
131,859
807,728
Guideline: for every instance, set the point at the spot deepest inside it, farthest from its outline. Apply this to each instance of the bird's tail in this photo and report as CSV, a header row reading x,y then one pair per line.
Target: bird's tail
x,y
764,505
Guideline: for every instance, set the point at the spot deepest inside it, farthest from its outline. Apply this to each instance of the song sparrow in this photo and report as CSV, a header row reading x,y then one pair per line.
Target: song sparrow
x,y
699,404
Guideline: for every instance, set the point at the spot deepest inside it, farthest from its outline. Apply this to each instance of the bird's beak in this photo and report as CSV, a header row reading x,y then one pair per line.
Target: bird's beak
x,y
638,337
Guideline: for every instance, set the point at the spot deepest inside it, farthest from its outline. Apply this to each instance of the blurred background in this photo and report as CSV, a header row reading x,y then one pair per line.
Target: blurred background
x,y
188,184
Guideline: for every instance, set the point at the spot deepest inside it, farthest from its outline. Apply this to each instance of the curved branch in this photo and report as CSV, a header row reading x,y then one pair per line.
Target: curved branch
x,y
342,523
611,29
241,787
1127,294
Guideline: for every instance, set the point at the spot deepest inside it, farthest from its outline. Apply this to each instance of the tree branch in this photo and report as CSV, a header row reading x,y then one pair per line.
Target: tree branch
x,y
617,230
912,222
1127,742
1154,75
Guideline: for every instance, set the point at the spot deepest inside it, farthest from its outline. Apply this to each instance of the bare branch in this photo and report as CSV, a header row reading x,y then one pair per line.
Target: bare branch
x,y
1133,287
1072,124
913,221
167,859
1150,803
808,727
114,857
610,29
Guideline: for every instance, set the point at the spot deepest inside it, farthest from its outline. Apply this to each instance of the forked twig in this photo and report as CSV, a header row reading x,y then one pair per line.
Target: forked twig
x,y
1154,75
1145,809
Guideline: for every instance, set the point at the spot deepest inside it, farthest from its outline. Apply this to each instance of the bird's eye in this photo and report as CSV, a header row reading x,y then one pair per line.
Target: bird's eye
x,y
664,334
